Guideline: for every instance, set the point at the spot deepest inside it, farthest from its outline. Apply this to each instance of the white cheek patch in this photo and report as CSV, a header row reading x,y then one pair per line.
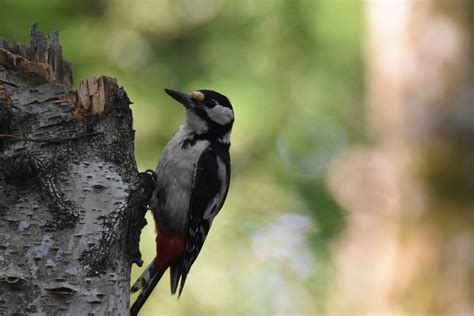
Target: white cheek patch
x,y
220,114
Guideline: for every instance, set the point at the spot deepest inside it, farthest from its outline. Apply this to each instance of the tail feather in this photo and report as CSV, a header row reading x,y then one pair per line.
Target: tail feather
x,y
145,277
175,273
147,287
178,277
183,280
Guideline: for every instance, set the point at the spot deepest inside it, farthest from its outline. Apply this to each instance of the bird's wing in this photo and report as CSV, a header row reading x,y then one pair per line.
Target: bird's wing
x,y
210,186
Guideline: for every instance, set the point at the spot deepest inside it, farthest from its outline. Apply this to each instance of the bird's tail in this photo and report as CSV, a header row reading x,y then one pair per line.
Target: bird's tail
x,y
147,282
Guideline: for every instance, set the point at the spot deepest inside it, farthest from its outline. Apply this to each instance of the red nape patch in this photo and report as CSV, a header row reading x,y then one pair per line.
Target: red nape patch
x,y
168,248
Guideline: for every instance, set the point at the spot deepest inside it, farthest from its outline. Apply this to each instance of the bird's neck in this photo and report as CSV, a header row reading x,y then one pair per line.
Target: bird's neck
x,y
191,136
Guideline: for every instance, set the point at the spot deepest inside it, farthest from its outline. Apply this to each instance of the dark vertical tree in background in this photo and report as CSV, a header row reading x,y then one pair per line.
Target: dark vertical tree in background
x,y
66,169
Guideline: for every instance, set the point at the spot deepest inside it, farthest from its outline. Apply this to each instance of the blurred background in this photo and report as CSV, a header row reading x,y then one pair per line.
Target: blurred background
x,y
352,151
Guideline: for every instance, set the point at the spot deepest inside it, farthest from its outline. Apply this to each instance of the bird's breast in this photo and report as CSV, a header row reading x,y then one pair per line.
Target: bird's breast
x,y
174,185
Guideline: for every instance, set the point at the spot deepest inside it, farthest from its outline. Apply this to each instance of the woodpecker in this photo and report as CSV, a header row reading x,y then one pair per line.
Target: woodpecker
x,y
193,177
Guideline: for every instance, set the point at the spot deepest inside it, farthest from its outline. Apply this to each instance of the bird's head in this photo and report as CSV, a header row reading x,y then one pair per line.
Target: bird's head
x,y
207,112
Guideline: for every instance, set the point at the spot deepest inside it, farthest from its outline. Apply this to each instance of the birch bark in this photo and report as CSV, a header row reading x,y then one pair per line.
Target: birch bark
x,y
67,168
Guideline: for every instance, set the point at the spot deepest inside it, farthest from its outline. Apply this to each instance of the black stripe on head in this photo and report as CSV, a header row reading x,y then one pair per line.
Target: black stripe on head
x,y
215,130
213,95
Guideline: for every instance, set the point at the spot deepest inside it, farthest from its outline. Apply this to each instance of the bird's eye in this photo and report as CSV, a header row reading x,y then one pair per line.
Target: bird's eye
x,y
212,103
198,96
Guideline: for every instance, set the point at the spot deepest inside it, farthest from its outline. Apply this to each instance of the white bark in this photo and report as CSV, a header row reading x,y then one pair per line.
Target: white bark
x,y
65,177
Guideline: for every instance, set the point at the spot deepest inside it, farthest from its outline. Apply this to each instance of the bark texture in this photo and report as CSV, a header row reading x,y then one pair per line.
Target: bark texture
x,y
66,170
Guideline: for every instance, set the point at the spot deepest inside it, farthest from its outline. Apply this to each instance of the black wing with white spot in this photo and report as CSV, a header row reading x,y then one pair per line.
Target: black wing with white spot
x,y
210,186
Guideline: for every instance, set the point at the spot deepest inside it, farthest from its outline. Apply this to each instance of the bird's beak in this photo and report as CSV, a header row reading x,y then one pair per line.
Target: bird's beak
x,y
182,98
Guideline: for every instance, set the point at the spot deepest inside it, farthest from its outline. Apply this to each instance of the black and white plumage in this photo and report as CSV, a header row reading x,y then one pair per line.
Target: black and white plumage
x,y
192,184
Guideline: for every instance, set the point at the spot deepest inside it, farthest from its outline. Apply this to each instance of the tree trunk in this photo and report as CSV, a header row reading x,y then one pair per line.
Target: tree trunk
x,y
67,168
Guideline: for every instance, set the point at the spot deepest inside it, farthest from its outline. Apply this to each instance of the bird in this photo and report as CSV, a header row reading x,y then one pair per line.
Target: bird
x,y
193,177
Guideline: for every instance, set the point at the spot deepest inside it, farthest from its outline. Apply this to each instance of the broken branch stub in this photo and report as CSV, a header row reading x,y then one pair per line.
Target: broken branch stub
x,y
43,57
93,95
